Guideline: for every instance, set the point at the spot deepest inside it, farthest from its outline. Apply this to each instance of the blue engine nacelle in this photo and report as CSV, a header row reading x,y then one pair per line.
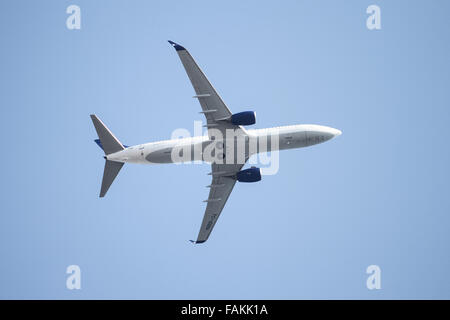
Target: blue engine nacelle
x,y
245,118
249,175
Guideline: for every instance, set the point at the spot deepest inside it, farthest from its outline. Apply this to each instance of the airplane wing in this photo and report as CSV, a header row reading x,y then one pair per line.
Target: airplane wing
x,y
216,113
212,105
222,184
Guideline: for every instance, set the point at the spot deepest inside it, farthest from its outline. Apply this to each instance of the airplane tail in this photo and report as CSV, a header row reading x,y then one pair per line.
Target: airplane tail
x,y
110,172
110,144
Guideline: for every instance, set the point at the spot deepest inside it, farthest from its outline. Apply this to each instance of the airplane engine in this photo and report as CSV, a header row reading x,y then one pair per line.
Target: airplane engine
x,y
245,118
249,175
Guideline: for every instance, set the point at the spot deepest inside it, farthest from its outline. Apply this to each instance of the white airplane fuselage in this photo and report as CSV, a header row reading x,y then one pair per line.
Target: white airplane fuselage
x,y
227,146
289,137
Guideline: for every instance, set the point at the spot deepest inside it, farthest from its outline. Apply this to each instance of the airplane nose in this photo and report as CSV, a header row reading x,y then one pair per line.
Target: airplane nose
x,y
320,134
334,132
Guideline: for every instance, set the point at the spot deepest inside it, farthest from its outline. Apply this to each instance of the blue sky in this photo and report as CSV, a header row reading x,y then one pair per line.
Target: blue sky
x,y
378,194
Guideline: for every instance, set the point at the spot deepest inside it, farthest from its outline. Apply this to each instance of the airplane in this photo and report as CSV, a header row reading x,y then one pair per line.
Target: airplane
x,y
227,147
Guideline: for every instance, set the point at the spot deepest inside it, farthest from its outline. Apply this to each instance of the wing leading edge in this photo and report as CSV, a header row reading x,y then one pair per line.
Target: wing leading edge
x,y
217,114
213,107
223,181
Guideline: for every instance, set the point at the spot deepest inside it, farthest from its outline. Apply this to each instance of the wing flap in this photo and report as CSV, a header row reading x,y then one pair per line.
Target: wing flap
x,y
221,188
211,103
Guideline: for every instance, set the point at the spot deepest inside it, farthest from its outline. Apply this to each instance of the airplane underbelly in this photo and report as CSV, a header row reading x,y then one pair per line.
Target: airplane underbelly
x,y
286,141
176,154
160,156
293,141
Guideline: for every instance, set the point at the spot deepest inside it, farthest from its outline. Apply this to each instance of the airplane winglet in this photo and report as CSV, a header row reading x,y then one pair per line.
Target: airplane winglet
x,y
176,46
197,242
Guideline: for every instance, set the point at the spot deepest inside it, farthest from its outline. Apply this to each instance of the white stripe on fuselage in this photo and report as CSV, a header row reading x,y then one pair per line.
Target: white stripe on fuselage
x,y
289,137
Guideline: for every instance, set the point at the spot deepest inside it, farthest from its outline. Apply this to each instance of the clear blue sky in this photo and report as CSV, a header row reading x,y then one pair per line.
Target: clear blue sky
x,y
378,194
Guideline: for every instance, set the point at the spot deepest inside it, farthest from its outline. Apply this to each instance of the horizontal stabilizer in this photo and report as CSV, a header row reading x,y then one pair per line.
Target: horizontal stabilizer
x,y
108,142
111,171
